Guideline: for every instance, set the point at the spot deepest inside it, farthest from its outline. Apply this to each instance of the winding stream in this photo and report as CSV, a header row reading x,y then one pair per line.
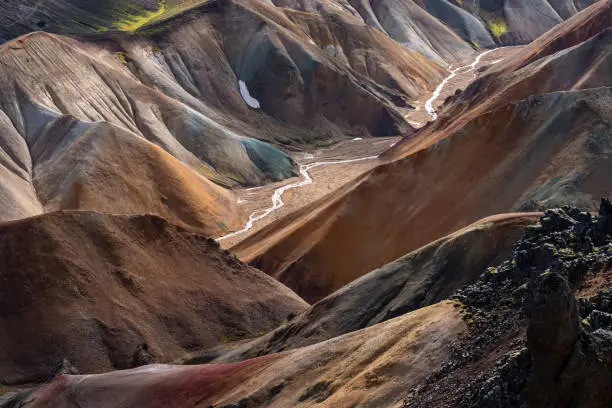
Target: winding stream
x,y
306,179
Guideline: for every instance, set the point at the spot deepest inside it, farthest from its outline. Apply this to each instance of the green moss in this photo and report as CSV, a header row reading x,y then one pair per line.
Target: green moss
x,y
236,177
323,143
498,27
122,57
134,17
476,45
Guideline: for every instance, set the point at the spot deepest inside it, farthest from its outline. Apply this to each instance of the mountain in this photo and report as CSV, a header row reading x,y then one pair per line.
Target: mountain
x,y
191,86
545,128
91,287
419,279
291,203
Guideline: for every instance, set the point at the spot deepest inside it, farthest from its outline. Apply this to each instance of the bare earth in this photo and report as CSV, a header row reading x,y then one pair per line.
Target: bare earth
x,y
326,179
419,116
329,178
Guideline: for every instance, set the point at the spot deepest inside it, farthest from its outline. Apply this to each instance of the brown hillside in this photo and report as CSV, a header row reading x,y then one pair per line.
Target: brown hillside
x,y
91,287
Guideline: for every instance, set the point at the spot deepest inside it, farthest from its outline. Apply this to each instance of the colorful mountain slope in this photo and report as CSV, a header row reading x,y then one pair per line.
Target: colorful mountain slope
x,y
91,288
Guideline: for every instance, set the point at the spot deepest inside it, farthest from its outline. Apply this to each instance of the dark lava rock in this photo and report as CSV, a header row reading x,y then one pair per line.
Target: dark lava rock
x,y
142,356
64,367
531,342
552,334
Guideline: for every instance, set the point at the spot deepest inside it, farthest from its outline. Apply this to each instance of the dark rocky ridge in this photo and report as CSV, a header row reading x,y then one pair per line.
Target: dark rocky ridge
x,y
532,343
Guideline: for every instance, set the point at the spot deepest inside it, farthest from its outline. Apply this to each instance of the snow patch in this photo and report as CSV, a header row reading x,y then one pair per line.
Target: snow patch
x,y
246,95
357,138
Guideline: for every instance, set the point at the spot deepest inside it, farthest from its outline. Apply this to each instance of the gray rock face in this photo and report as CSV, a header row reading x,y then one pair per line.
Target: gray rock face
x,y
552,334
415,28
462,22
528,19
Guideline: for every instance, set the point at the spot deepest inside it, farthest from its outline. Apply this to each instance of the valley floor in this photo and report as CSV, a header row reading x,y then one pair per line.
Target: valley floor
x,y
330,177
326,178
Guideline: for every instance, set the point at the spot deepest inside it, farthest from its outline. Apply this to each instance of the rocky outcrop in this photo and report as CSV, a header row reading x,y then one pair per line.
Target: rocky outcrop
x,y
535,343
552,335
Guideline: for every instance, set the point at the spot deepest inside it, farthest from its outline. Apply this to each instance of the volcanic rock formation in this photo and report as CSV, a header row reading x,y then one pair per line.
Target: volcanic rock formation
x,y
533,342
125,125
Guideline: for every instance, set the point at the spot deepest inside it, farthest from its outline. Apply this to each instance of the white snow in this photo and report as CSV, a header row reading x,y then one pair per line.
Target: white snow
x,y
357,138
246,95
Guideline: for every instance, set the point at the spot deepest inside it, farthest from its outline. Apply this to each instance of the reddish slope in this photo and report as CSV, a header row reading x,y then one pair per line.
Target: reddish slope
x,y
369,368
580,27
91,287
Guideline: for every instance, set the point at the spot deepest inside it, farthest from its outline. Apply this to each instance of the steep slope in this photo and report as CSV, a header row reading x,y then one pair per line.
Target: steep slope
x,y
205,86
544,150
425,276
447,31
402,20
577,29
112,170
245,58
47,76
91,288
300,69
582,66
84,16
369,368
72,164
502,22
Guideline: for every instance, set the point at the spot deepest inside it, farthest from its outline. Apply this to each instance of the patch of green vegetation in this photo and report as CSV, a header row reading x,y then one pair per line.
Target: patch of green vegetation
x,y
476,45
122,57
323,143
498,27
205,170
231,337
136,16
236,177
